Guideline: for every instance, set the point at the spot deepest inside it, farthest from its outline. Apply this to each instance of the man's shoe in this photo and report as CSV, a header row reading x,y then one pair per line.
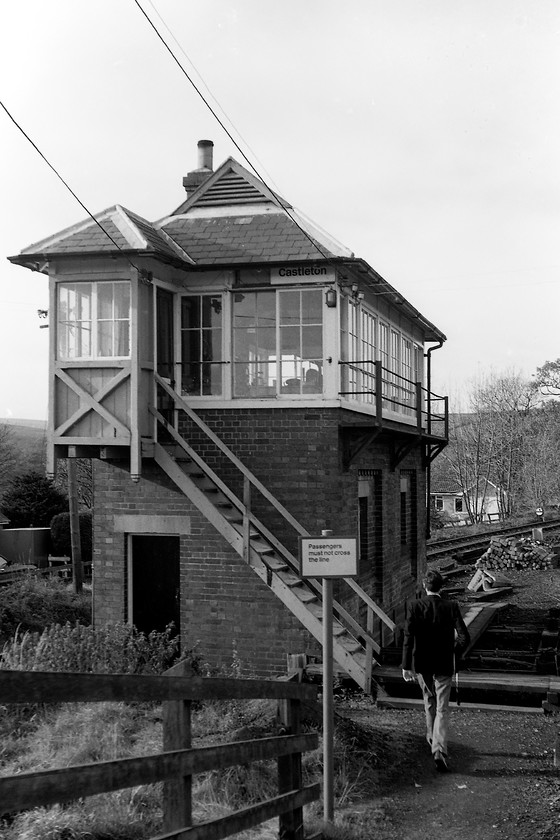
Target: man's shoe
x,y
441,761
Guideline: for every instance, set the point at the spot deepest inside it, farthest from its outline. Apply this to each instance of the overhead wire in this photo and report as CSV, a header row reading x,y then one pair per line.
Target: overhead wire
x,y
209,92
68,187
225,128
327,257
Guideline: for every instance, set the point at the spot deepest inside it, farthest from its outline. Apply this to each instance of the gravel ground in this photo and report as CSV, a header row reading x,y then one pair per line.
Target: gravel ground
x,y
503,783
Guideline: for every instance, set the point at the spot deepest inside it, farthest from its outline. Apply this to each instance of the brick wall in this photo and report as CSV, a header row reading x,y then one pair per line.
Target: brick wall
x,y
296,453
227,612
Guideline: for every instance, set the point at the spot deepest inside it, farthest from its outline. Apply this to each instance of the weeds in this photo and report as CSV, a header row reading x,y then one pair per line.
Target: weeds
x,y
113,648
34,603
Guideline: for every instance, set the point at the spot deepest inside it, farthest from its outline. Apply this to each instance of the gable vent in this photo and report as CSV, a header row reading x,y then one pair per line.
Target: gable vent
x,y
231,188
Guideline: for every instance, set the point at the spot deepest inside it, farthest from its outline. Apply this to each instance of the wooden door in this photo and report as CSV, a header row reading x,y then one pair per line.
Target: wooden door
x,y
154,585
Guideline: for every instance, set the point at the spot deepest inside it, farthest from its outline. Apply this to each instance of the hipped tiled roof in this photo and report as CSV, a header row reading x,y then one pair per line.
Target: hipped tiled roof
x,y
115,229
243,239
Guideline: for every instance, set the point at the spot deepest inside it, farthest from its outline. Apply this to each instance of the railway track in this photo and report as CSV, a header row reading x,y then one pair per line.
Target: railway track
x,y
474,542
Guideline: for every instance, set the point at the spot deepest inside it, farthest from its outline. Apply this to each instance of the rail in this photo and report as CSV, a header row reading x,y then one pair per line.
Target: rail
x,y
251,483
450,544
178,762
369,382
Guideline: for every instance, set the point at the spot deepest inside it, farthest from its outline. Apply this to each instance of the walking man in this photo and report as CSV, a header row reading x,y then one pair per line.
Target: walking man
x,y
435,634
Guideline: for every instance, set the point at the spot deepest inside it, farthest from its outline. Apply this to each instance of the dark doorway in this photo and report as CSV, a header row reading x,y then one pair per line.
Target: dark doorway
x,y
155,585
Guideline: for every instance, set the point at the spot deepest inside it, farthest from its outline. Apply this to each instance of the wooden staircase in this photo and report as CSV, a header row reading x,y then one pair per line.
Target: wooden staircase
x,y
354,646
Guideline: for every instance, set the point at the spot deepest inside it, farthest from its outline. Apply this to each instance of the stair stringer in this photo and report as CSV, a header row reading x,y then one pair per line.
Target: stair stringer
x,y
198,498
350,661
298,608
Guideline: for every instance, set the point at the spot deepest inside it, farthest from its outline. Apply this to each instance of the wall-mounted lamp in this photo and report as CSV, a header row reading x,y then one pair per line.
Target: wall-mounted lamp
x,y
330,298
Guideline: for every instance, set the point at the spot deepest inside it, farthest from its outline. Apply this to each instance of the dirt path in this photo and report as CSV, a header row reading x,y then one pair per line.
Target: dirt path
x,y
502,783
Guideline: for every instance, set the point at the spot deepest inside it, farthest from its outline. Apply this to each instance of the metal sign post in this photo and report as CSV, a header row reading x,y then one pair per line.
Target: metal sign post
x,y
328,557
328,716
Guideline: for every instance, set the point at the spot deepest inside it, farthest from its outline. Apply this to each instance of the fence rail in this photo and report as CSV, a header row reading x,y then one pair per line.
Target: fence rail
x,y
178,761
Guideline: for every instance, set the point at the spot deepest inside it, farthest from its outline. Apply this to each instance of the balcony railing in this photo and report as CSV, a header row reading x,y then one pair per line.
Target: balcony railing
x,y
394,397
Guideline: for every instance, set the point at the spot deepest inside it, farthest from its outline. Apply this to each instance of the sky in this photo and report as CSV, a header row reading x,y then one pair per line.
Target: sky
x,y
422,134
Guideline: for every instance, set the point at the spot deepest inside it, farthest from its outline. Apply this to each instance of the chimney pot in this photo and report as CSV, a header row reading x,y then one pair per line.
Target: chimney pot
x,y
205,154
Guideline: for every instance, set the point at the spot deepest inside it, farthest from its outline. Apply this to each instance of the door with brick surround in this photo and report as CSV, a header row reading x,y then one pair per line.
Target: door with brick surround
x,y
154,588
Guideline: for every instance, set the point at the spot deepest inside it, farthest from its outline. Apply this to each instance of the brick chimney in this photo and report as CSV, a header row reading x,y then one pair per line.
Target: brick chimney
x,y
194,179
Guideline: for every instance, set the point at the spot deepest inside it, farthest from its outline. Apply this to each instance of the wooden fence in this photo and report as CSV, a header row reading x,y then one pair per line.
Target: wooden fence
x,y
178,762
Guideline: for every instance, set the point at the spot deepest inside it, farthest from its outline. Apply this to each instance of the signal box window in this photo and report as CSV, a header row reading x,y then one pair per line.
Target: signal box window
x,y
277,343
201,345
93,320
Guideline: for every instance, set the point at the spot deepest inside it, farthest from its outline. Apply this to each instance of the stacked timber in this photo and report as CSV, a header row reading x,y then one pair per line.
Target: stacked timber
x,y
514,553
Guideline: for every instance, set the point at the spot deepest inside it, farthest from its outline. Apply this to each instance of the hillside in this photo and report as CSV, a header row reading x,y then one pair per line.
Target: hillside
x,y
26,442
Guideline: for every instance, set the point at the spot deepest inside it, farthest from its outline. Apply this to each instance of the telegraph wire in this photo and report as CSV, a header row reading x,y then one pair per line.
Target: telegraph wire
x,y
200,76
224,127
68,187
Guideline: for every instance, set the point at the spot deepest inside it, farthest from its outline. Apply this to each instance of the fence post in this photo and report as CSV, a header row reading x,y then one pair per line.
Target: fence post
x,y
289,770
177,794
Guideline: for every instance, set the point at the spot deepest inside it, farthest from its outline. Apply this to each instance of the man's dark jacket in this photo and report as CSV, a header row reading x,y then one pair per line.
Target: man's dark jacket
x,y
429,644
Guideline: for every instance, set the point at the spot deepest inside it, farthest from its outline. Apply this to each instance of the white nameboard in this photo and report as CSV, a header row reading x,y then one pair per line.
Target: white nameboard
x,y
328,557
294,274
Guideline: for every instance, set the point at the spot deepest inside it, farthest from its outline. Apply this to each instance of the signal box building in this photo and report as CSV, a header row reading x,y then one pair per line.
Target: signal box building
x,y
240,380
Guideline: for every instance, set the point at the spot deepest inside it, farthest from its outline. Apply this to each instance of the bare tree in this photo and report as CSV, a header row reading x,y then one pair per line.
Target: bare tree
x,y
540,477
7,456
504,404
84,480
467,456
489,444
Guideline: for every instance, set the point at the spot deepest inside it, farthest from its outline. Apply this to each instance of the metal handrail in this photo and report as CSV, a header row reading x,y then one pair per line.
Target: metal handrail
x,y
384,379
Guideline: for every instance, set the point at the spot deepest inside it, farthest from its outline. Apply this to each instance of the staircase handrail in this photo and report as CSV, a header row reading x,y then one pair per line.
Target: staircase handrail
x,y
263,530
231,456
246,472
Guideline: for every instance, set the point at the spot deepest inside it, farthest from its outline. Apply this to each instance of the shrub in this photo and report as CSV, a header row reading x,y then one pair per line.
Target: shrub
x,y
112,649
32,500
61,539
34,603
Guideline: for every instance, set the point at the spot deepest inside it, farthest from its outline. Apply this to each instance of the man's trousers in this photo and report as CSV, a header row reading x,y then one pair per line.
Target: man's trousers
x,y
436,691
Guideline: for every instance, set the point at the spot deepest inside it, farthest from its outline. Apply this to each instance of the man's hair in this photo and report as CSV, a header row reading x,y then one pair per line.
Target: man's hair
x,y
433,581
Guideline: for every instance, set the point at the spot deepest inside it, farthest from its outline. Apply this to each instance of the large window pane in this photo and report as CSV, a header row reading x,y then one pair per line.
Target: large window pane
x,y
122,300
266,309
290,341
290,308
105,338
105,300
312,343
312,307
244,309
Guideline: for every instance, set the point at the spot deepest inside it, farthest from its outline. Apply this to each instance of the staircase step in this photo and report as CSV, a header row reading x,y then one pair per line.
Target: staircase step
x,y
306,596
262,547
351,645
232,515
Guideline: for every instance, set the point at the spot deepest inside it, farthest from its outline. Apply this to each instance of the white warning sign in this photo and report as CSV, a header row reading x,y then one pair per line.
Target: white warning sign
x,y
330,557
